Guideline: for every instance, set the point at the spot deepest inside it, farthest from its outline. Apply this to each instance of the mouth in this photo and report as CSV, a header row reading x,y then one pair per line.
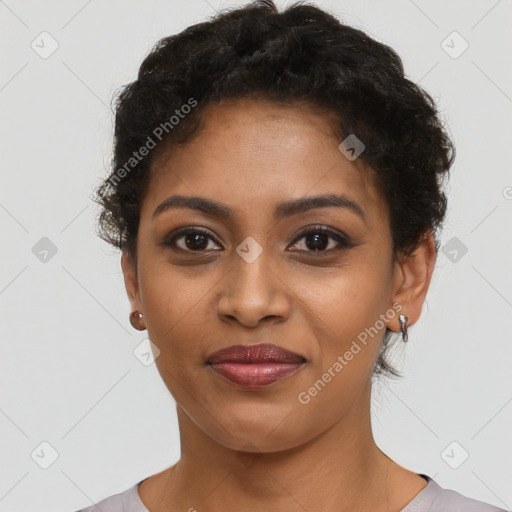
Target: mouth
x,y
255,366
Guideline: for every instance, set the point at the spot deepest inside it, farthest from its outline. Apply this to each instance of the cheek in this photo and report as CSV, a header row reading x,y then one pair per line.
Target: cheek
x,y
347,313
348,326
347,299
178,326
175,314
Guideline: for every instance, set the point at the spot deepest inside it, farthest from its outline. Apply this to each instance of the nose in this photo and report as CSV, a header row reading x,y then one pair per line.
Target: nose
x,y
253,292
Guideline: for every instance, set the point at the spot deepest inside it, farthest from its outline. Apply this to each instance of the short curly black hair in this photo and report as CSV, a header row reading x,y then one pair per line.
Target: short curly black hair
x,y
302,55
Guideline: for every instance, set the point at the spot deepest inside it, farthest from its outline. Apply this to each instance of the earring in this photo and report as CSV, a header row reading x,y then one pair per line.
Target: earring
x,y
136,320
403,327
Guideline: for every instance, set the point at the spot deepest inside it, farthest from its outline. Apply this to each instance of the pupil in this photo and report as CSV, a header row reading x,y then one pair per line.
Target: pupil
x,y
317,244
194,238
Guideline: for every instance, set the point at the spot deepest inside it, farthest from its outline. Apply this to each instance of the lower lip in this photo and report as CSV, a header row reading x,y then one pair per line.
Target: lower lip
x,y
255,375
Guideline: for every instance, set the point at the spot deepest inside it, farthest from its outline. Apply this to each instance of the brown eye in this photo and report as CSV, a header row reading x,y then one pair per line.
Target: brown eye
x,y
190,240
321,239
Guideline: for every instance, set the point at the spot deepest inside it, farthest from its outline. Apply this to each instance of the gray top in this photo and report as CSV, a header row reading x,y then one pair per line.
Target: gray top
x,y
432,498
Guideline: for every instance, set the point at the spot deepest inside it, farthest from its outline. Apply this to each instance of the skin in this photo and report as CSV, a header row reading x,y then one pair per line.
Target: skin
x,y
263,450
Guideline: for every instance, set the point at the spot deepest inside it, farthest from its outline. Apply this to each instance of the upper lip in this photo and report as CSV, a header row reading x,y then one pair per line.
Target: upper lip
x,y
259,353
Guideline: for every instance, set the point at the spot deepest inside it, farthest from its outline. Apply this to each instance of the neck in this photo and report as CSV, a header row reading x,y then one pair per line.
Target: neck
x,y
340,469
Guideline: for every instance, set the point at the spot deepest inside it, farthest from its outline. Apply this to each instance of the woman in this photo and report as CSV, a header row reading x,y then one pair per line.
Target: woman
x,y
276,194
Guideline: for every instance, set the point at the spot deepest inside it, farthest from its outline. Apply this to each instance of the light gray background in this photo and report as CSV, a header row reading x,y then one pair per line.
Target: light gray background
x,y
68,373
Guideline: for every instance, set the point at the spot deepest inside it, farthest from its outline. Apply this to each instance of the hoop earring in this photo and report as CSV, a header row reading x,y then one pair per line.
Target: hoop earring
x,y
136,318
403,327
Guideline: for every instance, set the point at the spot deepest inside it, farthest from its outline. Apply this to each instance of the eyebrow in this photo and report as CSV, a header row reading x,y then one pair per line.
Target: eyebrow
x,y
282,210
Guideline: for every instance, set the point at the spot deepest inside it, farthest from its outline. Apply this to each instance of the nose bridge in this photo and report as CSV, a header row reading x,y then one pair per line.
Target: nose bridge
x,y
252,268
253,289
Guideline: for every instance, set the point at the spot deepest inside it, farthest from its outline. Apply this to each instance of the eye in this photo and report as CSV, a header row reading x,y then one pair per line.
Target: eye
x,y
190,240
317,239
321,239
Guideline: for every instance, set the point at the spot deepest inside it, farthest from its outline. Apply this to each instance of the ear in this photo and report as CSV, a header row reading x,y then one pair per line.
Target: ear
x,y
131,281
411,280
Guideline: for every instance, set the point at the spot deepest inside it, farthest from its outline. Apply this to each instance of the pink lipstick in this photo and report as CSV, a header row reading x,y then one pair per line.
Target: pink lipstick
x,y
253,366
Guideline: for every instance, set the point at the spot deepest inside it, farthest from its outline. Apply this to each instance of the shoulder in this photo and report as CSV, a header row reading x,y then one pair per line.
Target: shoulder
x,y
125,501
434,498
452,501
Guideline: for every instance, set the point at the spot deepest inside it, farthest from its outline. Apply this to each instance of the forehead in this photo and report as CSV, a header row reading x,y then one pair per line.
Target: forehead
x,y
255,153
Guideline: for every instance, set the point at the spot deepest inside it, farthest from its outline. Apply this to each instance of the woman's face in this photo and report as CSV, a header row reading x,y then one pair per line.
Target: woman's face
x,y
255,277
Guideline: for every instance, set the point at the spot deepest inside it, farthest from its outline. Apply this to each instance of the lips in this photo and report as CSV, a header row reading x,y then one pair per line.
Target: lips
x,y
261,353
253,366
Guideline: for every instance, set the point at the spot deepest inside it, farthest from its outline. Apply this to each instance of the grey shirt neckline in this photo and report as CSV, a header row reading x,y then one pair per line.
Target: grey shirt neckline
x,y
432,498
133,503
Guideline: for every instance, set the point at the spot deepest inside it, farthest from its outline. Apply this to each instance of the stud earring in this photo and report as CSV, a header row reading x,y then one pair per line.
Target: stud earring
x,y
136,318
403,327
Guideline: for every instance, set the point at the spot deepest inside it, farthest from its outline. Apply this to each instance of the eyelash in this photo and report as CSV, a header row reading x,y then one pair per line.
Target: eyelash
x,y
344,242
